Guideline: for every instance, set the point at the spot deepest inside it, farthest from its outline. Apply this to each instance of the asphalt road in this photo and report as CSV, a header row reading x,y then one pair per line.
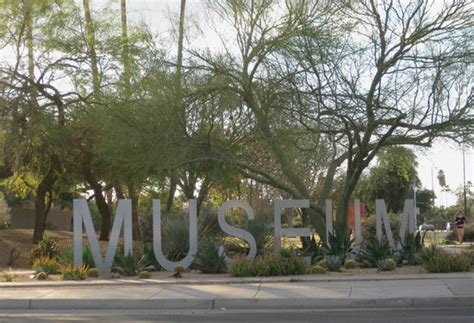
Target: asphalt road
x,y
429,315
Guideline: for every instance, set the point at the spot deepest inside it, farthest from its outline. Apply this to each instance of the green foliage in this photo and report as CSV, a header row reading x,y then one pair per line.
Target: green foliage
x,y
340,242
47,247
92,272
334,262
386,264
318,270
350,264
175,235
313,249
128,265
144,275
261,229
436,260
41,276
322,263
9,276
412,244
66,257
74,273
48,265
208,259
267,265
374,252
391,179
149,256
369,232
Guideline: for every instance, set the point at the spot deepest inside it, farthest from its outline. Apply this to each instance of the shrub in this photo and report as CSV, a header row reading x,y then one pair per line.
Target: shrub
x,y
92,272
128,265
175,235
350,264
9,276
322,263
66,257
387,264
47,265
435,260
47,247
144,274
412,245
340,242
318,270
208,259
41,276
268,265
74,273
262,230
333,262
374,252
368,227
149,257
178,270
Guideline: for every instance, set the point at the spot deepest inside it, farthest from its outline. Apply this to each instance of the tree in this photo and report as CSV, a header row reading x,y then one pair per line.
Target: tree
x,y
345,73
392,179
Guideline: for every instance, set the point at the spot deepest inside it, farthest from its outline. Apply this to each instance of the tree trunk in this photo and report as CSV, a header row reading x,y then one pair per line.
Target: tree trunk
x,y
173,185
125,53
91,47
40,201
133,195
100,201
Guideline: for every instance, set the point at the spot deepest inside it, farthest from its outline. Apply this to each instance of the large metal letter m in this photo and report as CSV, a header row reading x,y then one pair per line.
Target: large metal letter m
x,y
123,218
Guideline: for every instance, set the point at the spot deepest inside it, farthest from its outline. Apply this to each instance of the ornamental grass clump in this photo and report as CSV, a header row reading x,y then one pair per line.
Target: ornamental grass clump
x,y
93,273
318,270
436,260
144,275
48,265
74,272
268,265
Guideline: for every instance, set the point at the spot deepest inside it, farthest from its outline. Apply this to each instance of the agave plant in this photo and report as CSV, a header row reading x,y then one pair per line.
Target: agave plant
x,y
340,242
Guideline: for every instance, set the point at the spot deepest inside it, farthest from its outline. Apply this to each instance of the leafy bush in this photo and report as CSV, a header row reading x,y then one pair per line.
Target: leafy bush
x,y
47,247
92,272
318,270
268,265
262,230
412,245
48,265
9,276
41,276
312,249
369,231
435,260
340,242
322,263
128,265
149,256
387,264
374,252
333,262
208,259
175,235
74,273
350,264
66,257
144,274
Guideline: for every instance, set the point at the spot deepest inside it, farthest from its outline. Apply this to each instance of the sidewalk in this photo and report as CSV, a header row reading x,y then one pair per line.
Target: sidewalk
x,y
448,290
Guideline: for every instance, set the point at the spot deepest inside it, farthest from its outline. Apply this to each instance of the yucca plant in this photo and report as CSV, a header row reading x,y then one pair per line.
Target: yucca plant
x,y
74,272
128,265
374,252
46,247
208,259
340,242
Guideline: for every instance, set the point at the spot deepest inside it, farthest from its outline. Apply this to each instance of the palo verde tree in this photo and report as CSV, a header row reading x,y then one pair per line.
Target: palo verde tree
x,y
359,75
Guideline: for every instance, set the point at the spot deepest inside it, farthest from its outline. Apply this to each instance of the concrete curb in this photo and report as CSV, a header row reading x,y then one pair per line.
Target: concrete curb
x,y
231,280
232,304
